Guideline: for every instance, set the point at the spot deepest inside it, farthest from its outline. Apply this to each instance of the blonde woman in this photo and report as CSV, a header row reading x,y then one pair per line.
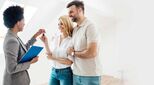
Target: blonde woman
x,y
61,71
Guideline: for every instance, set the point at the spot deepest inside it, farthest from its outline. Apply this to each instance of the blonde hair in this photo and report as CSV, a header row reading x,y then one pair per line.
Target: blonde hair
x,y
67,23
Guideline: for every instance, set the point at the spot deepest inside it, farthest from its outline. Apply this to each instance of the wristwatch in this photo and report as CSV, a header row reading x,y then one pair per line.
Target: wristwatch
x,y
72,53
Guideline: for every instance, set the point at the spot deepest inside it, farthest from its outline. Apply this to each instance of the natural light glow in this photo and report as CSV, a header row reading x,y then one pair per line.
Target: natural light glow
x,y
29,11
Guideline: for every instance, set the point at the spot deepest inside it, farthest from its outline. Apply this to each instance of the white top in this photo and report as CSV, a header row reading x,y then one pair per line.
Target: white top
x,y
82,35
60,50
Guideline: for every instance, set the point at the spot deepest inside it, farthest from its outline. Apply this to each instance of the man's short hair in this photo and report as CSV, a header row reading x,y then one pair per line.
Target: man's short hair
x,y
12,15
77,3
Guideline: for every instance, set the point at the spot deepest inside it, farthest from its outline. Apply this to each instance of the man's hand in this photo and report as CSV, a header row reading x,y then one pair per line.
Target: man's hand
x,y
34,60
70,50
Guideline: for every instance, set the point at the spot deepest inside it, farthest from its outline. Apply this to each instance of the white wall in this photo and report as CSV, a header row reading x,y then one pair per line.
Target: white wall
x,y
134,38
2,60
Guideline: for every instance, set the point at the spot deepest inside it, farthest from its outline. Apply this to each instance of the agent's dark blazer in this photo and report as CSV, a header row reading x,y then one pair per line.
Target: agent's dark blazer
x,y
14,49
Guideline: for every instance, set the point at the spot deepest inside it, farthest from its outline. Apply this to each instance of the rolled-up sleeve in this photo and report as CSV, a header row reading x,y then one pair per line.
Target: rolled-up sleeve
x,y
91,34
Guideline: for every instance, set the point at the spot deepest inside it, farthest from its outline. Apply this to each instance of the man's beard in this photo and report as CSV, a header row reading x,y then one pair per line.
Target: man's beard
x,y
74,19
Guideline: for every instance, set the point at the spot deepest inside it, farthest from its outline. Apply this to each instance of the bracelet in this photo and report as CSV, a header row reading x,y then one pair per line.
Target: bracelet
x,y
73,53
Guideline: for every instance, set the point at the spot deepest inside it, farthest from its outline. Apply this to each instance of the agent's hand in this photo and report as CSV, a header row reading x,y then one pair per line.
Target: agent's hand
x,y
44,39
34,60
39,32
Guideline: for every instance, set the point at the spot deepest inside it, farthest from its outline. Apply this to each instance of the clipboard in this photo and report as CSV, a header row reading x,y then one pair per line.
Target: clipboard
x,y
30,54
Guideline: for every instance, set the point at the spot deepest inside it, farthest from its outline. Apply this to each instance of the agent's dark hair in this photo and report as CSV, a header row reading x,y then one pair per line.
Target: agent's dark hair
x,y
77,3
12,15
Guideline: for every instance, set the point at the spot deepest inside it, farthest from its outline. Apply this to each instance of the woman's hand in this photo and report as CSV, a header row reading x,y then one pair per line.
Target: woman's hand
x,y
44,39
59,59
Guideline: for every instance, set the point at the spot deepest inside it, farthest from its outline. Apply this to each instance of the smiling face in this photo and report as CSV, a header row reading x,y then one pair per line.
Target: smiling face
x,y
65,25
74,13
61,26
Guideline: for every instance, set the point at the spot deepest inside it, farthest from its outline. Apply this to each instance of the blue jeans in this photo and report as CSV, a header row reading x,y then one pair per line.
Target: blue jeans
x,y
61,76
86,80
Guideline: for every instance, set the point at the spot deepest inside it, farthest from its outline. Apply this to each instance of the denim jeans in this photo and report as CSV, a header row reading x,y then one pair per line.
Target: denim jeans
x,y
86,80
61,77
